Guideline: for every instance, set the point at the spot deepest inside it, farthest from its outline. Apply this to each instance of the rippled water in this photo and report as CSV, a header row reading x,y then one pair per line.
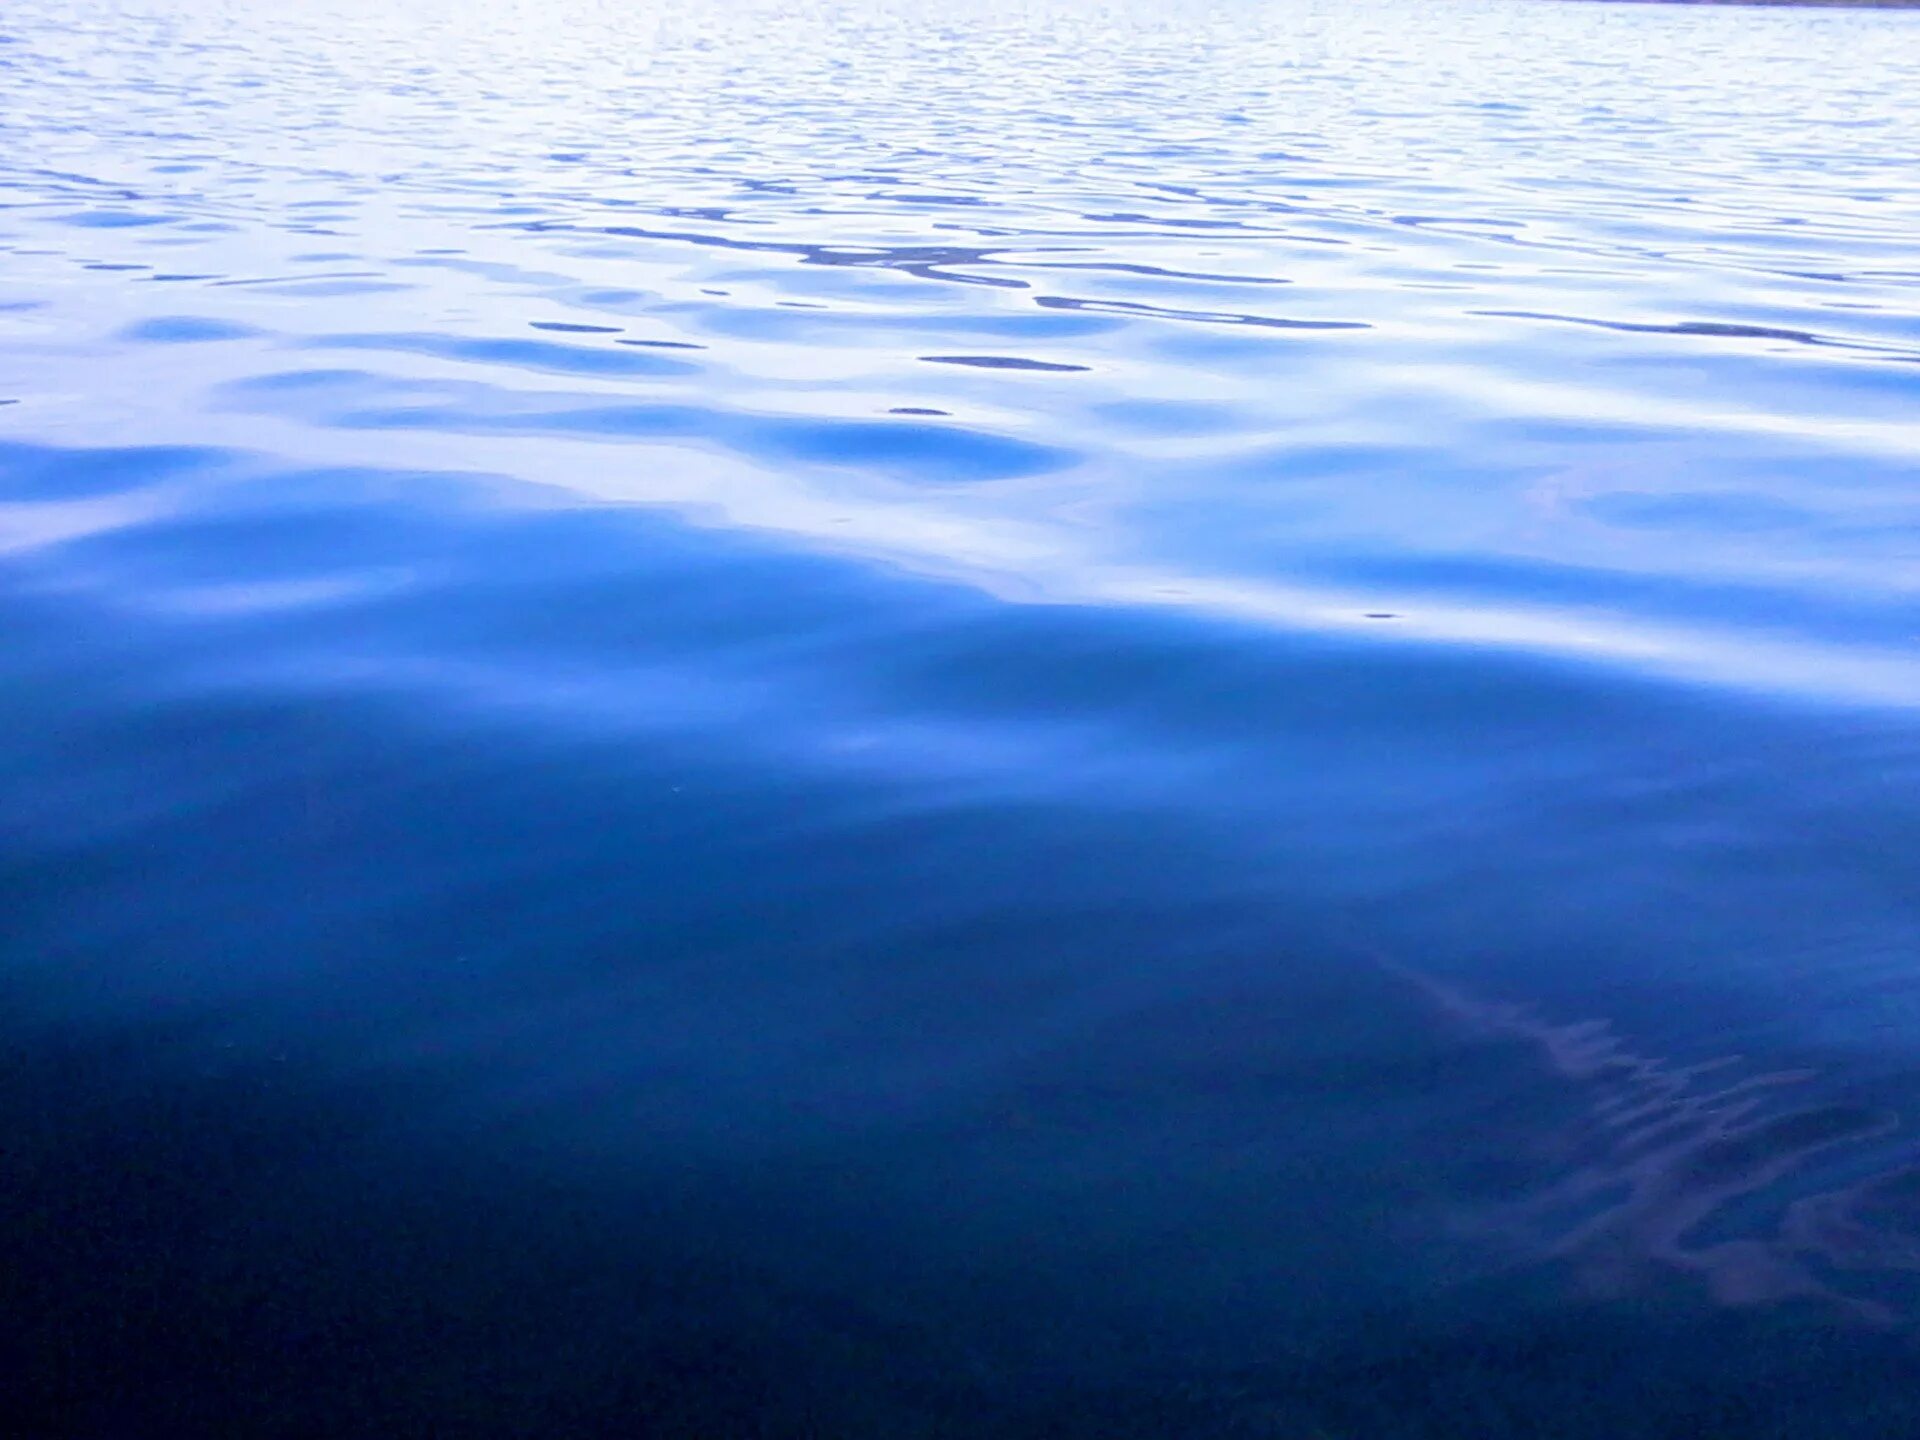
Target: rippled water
x,y
891,720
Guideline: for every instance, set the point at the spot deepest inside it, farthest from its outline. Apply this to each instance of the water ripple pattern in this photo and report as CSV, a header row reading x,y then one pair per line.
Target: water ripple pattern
x,y
871,718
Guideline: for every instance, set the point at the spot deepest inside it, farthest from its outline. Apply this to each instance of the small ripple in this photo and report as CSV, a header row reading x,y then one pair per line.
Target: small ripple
x,y
1211,317
275,281
1002,362
543,355
1158,272
928,262
329,289
568,327
112,219
923,454
186,329
36,473
943,454
1710,329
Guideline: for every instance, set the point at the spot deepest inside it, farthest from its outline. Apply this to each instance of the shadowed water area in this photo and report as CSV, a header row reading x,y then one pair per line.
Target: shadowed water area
x,y
873,720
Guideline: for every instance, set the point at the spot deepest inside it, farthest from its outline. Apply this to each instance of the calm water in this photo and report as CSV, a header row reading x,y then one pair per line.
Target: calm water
x,y
887,719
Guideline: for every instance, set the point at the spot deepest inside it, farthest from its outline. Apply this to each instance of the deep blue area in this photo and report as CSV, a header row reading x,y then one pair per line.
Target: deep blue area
x,y
875,721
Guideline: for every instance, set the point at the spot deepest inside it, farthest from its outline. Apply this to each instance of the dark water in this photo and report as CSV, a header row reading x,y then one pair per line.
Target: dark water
x,y
889,720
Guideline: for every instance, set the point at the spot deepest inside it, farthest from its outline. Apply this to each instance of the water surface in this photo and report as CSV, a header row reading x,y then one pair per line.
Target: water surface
x,y
877,720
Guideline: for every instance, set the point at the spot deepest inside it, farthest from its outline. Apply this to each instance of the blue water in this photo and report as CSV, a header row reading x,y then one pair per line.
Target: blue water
x,y
876,719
